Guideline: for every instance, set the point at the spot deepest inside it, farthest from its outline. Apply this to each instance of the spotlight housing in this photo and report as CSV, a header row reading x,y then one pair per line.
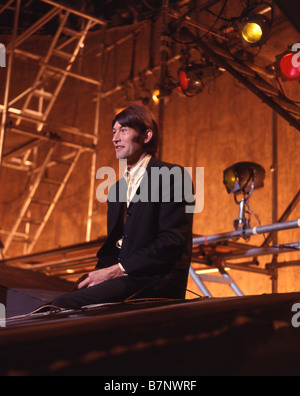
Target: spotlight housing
x,y
244,176
288,66
194,77
255,30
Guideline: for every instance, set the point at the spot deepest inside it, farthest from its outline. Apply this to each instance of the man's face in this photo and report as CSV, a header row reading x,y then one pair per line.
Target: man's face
x,y
129,144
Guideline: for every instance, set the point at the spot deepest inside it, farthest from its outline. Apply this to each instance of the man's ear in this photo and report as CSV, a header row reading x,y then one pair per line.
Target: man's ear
x,y
148,136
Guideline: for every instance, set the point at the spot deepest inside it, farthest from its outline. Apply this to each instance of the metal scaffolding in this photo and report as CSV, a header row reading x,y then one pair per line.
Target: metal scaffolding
x,y
219,253
29,115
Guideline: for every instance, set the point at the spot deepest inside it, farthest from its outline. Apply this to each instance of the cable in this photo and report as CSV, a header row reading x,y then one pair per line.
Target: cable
x,y
162,298
58,309
256,216
148,5
23,192
216,21
129,299
126,301
219,17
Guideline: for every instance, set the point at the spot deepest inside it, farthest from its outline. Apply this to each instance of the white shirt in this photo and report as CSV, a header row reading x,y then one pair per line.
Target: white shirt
x,y
134,177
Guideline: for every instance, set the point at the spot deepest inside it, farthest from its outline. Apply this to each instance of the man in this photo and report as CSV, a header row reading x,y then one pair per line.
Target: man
x,y
149,232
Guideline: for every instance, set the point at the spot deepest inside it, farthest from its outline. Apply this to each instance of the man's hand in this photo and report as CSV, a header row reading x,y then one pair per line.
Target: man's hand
x,y
100,276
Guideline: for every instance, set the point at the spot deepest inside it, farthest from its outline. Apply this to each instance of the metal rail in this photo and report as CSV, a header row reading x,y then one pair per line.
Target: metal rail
x,y
241,233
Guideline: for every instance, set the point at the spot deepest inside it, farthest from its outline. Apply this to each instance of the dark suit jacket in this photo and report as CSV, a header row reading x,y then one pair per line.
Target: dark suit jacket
x,y
157,235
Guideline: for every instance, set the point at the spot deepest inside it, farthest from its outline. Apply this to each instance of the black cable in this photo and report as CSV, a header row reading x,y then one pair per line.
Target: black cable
x,y
154,282
251,212
148,5
219,16
197,38
19,196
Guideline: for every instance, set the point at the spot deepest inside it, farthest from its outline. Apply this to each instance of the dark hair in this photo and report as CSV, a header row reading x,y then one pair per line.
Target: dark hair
x,y
140,118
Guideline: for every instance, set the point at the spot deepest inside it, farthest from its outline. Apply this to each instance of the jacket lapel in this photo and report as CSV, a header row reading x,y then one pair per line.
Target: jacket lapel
x,y
117,199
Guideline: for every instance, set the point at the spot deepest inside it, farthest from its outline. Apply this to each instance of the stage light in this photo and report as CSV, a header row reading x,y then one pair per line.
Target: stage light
x,y
155,96
255,30
252,32
165,91
242,177
194,77
288,66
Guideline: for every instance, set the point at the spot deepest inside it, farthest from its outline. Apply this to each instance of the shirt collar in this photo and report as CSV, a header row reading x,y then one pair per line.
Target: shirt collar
x,y
138,170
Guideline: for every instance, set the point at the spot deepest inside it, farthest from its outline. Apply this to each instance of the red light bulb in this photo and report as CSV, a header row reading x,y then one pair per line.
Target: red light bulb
x,y
183,80
288,68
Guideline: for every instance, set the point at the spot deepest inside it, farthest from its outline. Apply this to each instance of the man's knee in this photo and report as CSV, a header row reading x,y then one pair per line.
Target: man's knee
x,y
62,301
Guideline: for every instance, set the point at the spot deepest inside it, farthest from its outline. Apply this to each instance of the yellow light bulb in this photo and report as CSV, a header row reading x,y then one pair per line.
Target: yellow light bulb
x,y
252,33
230,179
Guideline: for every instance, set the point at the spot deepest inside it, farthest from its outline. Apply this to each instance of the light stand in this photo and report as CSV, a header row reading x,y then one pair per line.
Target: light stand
x,y
242,221
241,179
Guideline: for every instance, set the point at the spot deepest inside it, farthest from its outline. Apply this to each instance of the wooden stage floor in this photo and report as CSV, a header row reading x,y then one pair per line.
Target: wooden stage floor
x,y
251,335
